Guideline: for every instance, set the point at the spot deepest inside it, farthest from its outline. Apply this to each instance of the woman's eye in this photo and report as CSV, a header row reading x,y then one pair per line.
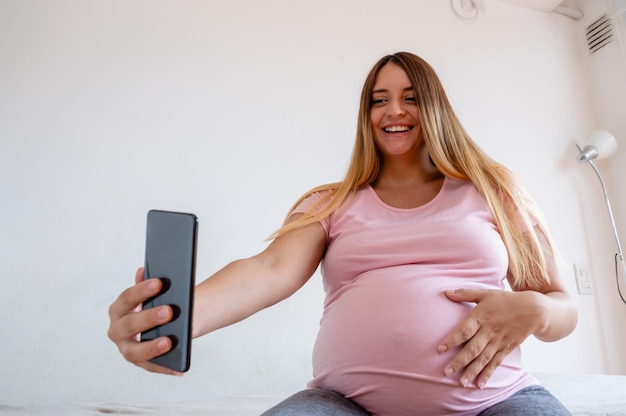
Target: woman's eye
x,y
378,101
410,99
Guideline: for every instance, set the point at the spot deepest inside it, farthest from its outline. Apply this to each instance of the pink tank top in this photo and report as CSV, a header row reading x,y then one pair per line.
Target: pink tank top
x,y
385,313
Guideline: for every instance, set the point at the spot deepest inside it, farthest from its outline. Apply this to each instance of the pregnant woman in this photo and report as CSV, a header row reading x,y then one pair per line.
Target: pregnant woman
x,y
415,245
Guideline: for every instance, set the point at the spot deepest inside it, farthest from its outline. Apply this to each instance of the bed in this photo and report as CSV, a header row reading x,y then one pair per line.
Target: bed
x,y
581,394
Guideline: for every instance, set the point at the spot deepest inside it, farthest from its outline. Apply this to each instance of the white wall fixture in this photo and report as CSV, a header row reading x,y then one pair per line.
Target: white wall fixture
x,y
550,6
599,33
601,144
467,9
543,5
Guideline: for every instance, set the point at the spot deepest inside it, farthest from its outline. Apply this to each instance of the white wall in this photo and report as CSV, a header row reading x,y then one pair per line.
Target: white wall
x,y
606,70
231,110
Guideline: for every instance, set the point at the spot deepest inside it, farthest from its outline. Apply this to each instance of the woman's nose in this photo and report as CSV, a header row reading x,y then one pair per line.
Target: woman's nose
x,y
397,108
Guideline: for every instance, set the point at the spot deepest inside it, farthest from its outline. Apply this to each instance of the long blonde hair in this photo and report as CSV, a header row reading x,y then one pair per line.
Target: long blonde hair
x,y
457,156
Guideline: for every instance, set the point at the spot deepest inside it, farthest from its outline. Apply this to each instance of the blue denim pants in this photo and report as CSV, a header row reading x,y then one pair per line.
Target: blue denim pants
x,y
531,401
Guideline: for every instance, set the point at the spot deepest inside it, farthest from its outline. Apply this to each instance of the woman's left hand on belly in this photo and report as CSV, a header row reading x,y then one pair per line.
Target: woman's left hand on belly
x,y
498,324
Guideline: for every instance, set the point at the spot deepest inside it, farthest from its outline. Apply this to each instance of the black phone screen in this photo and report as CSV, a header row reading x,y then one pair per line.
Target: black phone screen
x,y
171,239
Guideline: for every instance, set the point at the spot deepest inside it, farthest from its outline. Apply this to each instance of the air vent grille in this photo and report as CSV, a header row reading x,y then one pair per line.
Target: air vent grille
x,y
599,34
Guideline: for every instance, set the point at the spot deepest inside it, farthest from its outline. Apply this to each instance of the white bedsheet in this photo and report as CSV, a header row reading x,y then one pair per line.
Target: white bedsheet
x,y
586,394
583,395
233,406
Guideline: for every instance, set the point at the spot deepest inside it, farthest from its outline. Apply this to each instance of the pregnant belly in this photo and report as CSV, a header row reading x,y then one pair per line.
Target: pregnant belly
x,y
378,344
392,322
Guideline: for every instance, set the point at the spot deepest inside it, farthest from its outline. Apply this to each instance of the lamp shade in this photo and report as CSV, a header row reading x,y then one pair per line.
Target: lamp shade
x,y
600,144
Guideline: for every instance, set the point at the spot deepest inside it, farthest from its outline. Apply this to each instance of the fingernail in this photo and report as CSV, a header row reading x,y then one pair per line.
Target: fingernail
x,y
464,382
152,285
162,345
481,385
442,348
163,312
448,371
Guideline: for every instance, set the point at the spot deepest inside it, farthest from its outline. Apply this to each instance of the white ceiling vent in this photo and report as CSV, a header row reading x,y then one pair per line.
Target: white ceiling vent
x,y
599,33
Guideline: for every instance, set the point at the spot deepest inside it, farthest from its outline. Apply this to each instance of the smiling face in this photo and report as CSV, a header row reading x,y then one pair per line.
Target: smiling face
x,y
394,114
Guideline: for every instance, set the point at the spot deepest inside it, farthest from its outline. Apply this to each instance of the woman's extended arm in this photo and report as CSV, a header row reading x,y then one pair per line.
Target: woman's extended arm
x,y
247,286
237,291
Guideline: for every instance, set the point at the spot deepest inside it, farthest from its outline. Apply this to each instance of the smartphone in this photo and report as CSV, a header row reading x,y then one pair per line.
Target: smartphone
x,y
171,239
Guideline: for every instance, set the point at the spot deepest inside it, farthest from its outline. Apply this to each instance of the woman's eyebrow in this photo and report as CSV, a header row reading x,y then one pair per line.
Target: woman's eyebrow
x,y
386,90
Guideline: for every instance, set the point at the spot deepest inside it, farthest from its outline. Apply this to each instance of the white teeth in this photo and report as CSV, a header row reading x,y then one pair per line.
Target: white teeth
x,y
394,129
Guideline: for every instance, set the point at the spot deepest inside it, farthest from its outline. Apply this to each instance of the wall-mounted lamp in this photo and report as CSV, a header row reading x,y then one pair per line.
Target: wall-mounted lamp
x,y
601,144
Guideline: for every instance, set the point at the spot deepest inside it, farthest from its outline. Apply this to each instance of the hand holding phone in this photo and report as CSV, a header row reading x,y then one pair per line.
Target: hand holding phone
x,y
171,239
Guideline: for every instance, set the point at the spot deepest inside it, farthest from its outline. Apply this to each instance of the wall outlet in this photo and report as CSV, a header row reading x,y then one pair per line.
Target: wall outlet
x,y
583,279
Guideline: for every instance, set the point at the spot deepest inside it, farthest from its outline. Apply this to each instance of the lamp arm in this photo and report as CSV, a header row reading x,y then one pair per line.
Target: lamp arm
x,y
619,256
620,253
